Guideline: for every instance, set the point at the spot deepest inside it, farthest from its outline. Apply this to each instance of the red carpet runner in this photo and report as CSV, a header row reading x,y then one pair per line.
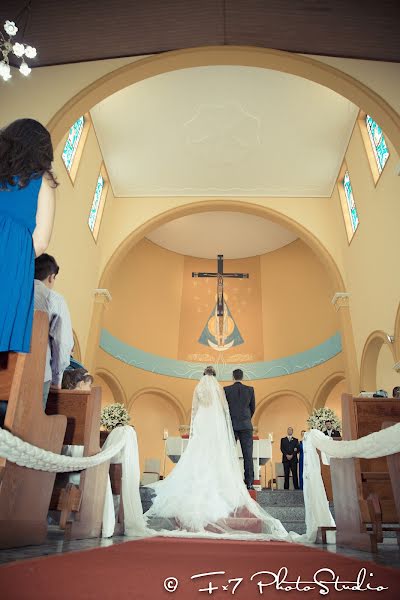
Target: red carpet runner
x,y
138,570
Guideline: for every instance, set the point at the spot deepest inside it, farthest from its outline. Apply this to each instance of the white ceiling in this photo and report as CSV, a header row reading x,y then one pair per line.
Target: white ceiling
x,y
235,235
224,130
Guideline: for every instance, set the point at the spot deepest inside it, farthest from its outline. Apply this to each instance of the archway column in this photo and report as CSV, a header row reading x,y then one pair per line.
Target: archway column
x,y
342,306
101,299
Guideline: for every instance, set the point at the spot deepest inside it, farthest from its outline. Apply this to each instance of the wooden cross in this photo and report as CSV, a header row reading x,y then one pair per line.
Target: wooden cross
x,y
220,275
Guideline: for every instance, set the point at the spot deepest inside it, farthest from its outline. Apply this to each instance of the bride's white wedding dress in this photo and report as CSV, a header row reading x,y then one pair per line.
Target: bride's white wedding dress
x,y
205,494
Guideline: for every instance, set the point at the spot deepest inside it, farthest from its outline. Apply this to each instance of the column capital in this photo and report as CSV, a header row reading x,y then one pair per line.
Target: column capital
x,y
102,296
340,300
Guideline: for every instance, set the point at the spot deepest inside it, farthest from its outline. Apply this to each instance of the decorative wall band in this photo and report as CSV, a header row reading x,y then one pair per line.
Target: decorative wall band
x,y
193,370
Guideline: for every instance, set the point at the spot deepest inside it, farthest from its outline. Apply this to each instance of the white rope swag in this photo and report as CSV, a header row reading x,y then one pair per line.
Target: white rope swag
x,y
121,446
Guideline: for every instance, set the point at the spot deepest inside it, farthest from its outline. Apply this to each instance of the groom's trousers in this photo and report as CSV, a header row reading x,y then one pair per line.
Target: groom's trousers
x,y
245,436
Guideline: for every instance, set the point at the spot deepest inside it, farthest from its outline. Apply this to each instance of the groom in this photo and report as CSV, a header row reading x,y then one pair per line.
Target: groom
x,y
242,405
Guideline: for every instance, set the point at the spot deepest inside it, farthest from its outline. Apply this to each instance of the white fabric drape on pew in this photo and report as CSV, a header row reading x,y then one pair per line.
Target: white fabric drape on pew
x,y
123,441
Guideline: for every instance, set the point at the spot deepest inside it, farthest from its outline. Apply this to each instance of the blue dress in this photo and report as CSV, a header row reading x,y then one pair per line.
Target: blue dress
x,y
17,265
301,462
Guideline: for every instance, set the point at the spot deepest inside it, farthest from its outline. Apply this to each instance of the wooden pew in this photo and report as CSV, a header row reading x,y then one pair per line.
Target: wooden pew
x,y
393,462
365,506
81,506
25,493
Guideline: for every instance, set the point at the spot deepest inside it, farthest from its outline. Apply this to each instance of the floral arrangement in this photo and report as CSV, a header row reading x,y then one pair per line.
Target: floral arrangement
x,y
114,415
320,415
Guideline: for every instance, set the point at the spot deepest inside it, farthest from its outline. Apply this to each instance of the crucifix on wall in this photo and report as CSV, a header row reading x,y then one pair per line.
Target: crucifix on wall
x,y
220,275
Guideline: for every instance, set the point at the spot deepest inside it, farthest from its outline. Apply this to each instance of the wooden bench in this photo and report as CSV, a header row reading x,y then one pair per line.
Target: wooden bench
x,y
25,493
364,500
81,506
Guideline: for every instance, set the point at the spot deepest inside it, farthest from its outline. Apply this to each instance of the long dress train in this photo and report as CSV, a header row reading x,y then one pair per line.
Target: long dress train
x,y
205,494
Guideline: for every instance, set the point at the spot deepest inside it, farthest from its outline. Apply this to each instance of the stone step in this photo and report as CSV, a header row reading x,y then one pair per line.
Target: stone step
x,y
280,498
287,513
295,526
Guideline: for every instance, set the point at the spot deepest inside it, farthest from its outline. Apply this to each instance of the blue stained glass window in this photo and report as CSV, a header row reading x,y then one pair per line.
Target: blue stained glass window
x,y
72,142
96,203
351,205
378,142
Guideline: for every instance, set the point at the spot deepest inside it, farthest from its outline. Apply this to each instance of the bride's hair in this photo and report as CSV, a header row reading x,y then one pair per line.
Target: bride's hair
x,y
210,371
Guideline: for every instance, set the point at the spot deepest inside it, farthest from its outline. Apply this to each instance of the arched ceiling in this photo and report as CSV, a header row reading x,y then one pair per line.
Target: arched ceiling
x,y
235,235
224,131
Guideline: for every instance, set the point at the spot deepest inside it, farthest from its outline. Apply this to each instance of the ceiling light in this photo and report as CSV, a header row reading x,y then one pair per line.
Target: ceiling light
x,y
8,46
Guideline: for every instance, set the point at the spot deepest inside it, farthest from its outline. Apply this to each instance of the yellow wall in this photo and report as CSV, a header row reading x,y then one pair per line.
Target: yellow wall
x,y
72,243
371,259
296,296
145,310
386,376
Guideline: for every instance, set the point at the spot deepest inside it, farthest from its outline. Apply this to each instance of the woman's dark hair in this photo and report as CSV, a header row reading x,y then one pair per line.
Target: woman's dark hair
x,y
45,265
210,371
72,378
26,152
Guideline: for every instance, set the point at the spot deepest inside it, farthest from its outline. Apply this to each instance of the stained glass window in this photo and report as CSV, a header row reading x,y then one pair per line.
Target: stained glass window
x,y
351,205
72,142
378,143
96,203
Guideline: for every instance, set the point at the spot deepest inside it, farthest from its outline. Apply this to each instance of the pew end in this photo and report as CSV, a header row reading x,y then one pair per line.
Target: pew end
x,y
366,494
25,493
81,506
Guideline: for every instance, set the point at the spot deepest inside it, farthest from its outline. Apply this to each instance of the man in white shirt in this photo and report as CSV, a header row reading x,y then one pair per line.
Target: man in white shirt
x,y
289,449
61,340
329,431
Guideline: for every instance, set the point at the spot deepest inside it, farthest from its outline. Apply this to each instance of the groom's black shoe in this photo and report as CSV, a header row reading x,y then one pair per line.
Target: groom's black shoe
x,y
250,487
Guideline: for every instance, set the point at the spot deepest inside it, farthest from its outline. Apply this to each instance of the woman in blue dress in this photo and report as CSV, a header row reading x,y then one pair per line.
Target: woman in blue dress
x,y
301,460
27,205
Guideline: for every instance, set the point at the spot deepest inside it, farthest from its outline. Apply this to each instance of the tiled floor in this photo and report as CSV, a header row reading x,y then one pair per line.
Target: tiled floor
x,y
389,554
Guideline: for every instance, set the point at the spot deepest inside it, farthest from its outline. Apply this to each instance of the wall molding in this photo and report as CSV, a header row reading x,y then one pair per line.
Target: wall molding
x,y
181,369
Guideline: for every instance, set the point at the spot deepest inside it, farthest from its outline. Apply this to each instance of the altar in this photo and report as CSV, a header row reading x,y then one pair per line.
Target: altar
x,y
262,453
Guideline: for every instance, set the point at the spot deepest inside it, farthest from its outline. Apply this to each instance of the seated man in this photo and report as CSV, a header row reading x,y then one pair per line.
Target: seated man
x,y
77,379
61,339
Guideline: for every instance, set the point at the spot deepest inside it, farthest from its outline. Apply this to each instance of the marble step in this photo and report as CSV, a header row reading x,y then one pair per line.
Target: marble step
x,y
268,498
287,513
296,526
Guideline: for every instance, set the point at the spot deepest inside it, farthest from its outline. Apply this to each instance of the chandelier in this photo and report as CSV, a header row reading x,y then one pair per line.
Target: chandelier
x,y
8,45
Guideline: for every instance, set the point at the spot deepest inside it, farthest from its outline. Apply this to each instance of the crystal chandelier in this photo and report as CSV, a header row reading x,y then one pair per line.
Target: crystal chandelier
x,y
18,49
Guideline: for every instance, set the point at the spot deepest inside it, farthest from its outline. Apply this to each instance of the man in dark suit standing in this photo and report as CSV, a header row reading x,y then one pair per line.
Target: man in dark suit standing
x,y
289,449
331,432
242,405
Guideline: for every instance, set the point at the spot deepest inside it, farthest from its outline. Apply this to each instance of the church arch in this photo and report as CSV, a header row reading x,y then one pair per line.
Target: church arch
x,y
170,398
369,359
268,400
114,385
325,389
248,56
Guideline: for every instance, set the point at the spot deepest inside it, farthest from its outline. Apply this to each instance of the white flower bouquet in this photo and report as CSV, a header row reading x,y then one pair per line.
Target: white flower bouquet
x,y
113,416
320,415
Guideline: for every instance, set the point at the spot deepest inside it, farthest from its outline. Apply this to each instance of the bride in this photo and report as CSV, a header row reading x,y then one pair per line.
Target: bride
x,y
205,494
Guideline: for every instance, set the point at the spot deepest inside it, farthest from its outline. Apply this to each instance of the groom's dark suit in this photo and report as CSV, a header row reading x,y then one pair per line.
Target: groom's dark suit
x,y
242,405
